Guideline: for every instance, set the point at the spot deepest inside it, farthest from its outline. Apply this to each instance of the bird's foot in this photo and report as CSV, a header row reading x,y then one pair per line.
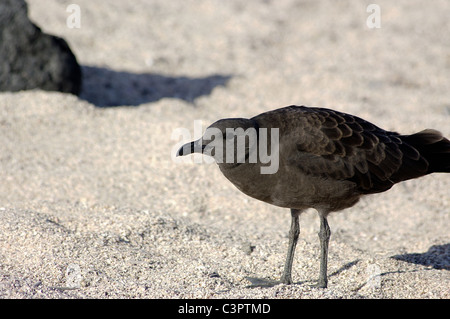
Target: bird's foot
x,y
320,284
286,280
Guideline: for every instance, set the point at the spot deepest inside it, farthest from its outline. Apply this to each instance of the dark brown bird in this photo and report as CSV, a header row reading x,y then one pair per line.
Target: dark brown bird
x,y
326,159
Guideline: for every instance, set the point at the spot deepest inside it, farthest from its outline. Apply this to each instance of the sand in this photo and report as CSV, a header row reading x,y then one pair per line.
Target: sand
x,y
92,204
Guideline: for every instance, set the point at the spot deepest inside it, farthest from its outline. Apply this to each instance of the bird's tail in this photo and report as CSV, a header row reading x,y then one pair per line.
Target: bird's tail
x,y
434,147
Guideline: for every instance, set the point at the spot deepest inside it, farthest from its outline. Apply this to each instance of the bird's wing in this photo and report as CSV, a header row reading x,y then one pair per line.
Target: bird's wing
x,y
340,146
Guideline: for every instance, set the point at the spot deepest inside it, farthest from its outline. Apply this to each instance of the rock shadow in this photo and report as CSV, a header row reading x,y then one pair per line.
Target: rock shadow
x,y
437,256
108,88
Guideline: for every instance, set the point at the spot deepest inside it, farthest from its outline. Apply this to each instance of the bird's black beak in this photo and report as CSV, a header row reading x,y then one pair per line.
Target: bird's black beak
x,y
192,147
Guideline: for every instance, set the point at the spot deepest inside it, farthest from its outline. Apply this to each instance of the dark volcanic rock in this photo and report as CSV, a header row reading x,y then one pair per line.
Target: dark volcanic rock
x,y
31,59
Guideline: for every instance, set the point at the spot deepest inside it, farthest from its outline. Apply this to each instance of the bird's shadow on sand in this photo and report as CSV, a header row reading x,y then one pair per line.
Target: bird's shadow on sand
x,y
104,87
256,282
437,256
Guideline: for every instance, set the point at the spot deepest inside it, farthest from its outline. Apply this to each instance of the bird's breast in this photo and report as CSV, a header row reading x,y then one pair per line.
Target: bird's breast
x,y
291,188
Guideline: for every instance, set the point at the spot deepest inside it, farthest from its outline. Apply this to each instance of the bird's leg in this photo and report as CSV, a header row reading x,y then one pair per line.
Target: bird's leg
x,y
324,236
293,237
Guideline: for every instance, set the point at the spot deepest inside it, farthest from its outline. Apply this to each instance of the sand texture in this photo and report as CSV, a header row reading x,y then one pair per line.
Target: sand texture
x,y
92,204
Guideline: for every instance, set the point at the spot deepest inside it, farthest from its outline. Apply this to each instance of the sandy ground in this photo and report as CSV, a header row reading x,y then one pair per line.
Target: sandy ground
x,y
93,206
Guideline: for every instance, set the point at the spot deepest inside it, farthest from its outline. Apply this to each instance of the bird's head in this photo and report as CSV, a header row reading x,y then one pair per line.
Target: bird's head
x,y
228,141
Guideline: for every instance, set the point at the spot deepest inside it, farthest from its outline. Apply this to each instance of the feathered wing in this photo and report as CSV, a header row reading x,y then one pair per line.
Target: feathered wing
x,y
335,145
